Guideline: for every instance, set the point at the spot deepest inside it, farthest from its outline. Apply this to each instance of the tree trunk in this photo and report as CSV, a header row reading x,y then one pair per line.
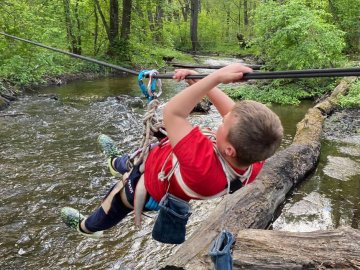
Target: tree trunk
x,y
239,17
185,10
254,205
114,25
159,20
126,20
73,39
112,29
194,24
78,25
246,18
263,249
96,30
125,29
106,26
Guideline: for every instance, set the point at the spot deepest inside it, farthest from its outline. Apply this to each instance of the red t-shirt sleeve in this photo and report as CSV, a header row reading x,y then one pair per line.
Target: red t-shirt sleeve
x,y
199,165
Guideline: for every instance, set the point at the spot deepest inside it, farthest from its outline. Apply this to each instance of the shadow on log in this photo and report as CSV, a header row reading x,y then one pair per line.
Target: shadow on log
x,y
253,206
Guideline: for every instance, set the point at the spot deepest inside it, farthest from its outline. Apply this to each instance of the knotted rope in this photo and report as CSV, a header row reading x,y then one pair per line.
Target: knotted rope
x,y
152,124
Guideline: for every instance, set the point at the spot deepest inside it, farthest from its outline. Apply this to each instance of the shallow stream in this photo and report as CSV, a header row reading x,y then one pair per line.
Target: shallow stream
x,y
49,158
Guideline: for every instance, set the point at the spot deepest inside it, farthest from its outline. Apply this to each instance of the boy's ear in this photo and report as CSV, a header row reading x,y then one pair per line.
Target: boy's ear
x,y
230,150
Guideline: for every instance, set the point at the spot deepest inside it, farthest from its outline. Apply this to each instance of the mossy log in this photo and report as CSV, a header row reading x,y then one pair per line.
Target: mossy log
x,y
254,206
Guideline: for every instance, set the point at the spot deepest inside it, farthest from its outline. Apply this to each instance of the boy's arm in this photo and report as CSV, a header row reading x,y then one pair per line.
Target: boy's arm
x,y
222,102
179,107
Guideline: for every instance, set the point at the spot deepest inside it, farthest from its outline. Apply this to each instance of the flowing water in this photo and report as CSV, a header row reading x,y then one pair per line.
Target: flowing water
x,y
49,158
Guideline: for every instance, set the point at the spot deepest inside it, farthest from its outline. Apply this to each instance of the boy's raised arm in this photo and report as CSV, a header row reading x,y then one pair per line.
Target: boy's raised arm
x,y
179,107
222,102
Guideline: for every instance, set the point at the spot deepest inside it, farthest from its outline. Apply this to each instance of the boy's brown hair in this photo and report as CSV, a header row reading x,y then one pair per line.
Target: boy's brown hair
x,y
257,132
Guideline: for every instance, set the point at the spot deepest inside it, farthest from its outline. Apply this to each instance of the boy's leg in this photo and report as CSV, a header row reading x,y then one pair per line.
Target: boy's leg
x,y
112,210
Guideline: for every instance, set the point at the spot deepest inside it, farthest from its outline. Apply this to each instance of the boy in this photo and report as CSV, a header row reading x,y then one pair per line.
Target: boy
x,y
190,164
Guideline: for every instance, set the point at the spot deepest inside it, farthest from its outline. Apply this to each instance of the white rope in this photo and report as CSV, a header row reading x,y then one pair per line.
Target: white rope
x,y
152,124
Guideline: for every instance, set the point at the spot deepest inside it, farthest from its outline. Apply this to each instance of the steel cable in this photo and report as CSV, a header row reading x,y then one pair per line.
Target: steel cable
x,y
256,75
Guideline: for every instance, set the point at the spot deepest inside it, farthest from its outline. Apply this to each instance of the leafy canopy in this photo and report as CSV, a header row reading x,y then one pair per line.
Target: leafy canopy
x,y
294,36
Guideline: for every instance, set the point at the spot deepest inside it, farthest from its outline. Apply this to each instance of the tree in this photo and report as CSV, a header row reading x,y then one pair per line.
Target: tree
x,y
195,5
73,32
125,26
111,28
293,36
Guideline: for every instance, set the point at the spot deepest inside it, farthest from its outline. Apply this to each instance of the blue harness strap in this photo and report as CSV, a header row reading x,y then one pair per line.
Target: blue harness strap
x,y
220,251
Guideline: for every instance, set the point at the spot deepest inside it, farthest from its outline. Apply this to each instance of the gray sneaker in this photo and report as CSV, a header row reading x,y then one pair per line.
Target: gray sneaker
x,y
72,218
108,146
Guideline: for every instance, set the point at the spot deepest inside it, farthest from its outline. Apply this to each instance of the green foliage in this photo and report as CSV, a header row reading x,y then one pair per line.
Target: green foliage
x,y
293,36
346,14
352,99
281,91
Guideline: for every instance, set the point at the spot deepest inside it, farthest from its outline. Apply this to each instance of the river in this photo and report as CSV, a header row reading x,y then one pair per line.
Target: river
x,y
49,158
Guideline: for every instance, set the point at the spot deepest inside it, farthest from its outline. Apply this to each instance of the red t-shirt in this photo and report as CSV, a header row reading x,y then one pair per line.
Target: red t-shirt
x,y
200,167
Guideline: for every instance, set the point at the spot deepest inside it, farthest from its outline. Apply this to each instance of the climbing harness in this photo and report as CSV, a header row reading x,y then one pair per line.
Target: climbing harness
x,y
149,91
309,73
170,225
234,179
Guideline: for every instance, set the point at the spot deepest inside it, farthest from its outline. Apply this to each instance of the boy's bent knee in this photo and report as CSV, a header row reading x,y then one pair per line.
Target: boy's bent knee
x,y
99,220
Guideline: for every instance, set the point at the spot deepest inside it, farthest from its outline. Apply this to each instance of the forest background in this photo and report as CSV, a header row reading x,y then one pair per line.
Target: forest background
x,y
282,35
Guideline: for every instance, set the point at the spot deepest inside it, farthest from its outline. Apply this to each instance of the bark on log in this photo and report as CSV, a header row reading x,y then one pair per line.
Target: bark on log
x,y
261,249
254,205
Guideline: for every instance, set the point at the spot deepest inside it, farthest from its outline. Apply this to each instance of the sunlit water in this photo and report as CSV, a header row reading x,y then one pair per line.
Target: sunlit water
x,y
49,158
329,198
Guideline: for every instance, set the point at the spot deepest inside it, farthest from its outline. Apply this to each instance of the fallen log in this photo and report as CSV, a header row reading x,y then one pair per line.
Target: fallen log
x,y
254,205
264,249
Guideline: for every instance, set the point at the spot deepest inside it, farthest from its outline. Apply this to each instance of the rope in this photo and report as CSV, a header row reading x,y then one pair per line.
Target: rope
x,y
291,74
152,124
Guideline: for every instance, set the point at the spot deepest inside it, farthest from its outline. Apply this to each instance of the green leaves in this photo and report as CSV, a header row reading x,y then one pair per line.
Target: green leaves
x,y
352,99
293,36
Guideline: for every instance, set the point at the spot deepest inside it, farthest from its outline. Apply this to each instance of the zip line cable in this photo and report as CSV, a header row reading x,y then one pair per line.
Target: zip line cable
x,y
73,54
309,73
